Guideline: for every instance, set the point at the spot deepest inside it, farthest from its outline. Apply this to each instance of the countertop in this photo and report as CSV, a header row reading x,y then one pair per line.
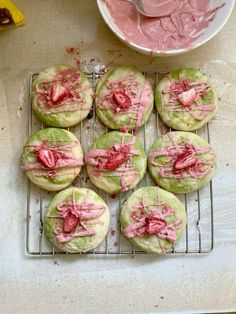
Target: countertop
x,y
185,284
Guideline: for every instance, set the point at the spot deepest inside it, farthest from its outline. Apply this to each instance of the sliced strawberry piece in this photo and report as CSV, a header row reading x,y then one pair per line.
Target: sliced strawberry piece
x,y
122,100
58,92
184,85
187,98
70,223
115,160
47,157
154,225
185,160
100,165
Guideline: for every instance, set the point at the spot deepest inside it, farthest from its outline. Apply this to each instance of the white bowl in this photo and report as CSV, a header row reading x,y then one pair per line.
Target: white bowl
x,y
214,27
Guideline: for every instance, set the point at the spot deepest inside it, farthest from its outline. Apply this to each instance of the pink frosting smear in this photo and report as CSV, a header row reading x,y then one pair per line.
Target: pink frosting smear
x,y
179,24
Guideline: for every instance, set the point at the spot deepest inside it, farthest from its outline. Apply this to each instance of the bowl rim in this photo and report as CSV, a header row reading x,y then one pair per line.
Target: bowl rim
x,y
149,51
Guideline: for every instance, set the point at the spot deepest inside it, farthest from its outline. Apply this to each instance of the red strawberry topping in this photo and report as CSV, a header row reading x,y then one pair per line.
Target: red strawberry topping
x,y
70,223
58,92
185,160
186,98
154,224
47,157
122,100
115,160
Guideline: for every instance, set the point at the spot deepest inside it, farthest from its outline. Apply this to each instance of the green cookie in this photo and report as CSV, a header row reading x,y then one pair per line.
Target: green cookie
x,y
116,162
61,96
181,162
124,99
52,158
185,99
77,220
153,219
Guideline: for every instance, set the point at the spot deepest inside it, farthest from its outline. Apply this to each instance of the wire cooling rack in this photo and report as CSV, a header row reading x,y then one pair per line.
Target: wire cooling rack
x,y
198,237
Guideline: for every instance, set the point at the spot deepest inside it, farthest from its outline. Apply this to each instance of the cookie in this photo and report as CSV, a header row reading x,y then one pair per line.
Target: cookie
x,y
185,99
124,99
116,162
61,96
77,220
153,220
181,162
52,158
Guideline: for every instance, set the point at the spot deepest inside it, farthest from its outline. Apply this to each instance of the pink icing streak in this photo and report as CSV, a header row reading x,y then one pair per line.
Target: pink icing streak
x,y
183,160
61,93
63,158
179,28
85,214
139,95
152,222
125,170
185,96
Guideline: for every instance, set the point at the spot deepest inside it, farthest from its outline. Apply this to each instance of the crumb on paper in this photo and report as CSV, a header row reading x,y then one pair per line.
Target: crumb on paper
x,y
227,165
19,109
2,128
78,63
113,196
113,232
162,297
71,50
156,305
113,51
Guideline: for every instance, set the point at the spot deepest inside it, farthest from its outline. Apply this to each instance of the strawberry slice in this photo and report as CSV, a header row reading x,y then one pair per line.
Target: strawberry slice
x,y
187,98
154,225
47,157
70,223
58,92
115,160
185,160
122,100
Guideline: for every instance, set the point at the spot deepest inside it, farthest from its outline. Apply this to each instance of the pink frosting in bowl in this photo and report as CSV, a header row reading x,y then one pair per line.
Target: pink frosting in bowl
x,y
190,25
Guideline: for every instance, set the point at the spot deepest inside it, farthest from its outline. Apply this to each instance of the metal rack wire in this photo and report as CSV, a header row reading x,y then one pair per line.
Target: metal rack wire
x,y
198,237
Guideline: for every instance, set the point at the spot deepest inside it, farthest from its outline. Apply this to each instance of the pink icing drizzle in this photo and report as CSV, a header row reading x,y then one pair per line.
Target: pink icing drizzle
x,y
140,95
194,108
65,159
68,79
201,168
179,29
126,172
87,214
152,222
